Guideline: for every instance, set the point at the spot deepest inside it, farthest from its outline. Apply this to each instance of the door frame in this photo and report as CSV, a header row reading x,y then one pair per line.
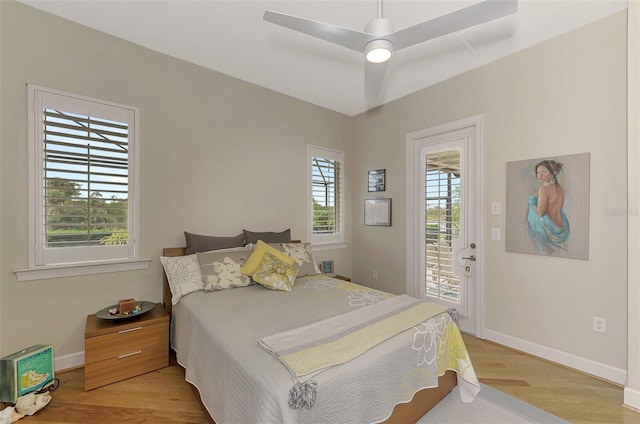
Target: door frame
x,y
412,140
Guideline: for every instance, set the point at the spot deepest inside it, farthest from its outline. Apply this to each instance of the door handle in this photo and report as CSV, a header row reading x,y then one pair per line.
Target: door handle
x,y
471,258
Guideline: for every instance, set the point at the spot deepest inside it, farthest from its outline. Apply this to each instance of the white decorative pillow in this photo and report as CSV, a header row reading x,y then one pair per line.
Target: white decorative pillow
x,y
184,275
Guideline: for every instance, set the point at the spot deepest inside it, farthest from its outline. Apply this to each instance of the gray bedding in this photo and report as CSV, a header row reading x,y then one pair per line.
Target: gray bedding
x,y
215,337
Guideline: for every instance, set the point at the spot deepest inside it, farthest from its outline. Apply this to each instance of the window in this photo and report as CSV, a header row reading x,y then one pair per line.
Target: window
x,y
442,230
82,180
326,171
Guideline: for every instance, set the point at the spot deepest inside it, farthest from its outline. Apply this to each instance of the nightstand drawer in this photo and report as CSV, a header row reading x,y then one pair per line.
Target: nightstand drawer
x,y
125,341
134,363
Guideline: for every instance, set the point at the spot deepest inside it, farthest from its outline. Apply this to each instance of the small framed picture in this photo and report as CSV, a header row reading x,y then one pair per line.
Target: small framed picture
x,y
377,180
377,212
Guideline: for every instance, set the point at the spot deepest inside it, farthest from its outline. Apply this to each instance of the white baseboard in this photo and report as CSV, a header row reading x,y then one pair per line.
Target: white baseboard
x,y
73,360
632,398
607,372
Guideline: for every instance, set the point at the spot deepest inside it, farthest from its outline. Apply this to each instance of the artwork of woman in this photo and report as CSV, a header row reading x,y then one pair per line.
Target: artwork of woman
x,y
547,224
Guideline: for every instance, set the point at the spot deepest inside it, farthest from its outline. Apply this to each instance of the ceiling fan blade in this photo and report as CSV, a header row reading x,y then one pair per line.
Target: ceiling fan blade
x,y
345,37
476,14
373,79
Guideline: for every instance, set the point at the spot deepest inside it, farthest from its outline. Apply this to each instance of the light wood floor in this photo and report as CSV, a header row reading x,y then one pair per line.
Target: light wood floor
x,y
571,395
164,397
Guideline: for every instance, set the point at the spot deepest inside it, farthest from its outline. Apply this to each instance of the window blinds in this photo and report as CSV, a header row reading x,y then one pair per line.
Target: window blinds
x,y
442,213
86,174
325,192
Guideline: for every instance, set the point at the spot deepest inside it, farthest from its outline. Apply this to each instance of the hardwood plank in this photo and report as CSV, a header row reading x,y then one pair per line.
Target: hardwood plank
x,y
163,397
567,393
504,382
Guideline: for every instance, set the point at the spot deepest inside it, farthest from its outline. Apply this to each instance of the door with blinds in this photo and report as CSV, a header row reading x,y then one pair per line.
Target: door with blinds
x,y
444,222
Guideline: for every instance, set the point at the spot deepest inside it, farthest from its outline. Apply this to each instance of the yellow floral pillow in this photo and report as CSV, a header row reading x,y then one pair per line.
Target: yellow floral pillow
x,y
256,257
275,274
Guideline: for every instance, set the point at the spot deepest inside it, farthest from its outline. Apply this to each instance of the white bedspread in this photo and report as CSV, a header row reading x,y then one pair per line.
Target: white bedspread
x,y
215,336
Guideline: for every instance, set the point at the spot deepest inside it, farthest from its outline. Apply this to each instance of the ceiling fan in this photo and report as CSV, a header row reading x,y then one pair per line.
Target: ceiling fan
x,y
378,42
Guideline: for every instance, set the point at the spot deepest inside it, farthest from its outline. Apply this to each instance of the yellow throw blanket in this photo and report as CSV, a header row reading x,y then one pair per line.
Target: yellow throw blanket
x,y
333,341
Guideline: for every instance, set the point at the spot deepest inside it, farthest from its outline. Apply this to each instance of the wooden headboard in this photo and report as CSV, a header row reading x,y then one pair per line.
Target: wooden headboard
x,y
166,290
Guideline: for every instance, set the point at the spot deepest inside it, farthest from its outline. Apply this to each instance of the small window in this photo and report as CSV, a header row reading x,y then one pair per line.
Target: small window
x,y
326,195
83,181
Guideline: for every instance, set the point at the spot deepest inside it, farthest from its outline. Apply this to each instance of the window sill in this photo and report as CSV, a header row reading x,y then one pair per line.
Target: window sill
x,y
72,270
316,247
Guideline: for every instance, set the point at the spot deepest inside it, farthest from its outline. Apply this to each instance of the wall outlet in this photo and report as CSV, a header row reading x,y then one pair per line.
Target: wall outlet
x,y
495,208
375,274
599,324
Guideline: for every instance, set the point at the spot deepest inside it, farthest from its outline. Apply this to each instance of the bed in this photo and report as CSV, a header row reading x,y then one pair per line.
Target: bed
x,y
216,335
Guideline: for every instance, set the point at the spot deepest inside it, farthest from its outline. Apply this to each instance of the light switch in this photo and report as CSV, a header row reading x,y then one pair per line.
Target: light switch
x,y
495,234
495,208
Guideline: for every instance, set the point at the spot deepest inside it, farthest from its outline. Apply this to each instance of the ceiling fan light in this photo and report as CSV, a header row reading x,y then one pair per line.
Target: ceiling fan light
x,y
379,51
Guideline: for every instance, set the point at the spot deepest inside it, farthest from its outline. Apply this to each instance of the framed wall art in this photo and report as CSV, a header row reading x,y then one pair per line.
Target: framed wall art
x,y
377,180
548,206
377,212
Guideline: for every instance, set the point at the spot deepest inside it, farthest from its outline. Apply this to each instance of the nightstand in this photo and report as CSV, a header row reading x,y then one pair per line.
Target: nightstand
x,y
118,349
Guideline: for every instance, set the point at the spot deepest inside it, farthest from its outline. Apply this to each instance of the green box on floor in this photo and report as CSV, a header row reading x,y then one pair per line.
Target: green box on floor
x,y
25,371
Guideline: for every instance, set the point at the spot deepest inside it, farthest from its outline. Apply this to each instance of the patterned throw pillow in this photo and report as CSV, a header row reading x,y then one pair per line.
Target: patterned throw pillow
x,y
221,269
301,254
184,275
275,274
256,257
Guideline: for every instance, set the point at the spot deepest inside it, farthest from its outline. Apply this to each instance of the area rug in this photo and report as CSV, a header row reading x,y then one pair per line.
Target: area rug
x,y
491,406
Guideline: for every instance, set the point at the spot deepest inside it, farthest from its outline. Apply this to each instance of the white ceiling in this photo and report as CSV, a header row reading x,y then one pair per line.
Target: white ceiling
x,y
232,38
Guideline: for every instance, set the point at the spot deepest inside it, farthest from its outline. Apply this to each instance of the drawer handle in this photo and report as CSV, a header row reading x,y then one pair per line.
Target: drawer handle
x,y
129,354
130,329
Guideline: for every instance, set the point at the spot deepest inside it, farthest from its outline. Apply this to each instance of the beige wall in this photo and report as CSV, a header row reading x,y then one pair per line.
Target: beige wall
x,y
565,96
632,389
217,155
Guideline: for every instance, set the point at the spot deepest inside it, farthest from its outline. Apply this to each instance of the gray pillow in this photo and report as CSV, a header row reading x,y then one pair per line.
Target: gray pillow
x,y
267,236
200,243
303,258
221,269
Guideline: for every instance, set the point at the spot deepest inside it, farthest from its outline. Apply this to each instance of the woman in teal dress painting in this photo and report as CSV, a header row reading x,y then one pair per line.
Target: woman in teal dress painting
x,y
547,225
